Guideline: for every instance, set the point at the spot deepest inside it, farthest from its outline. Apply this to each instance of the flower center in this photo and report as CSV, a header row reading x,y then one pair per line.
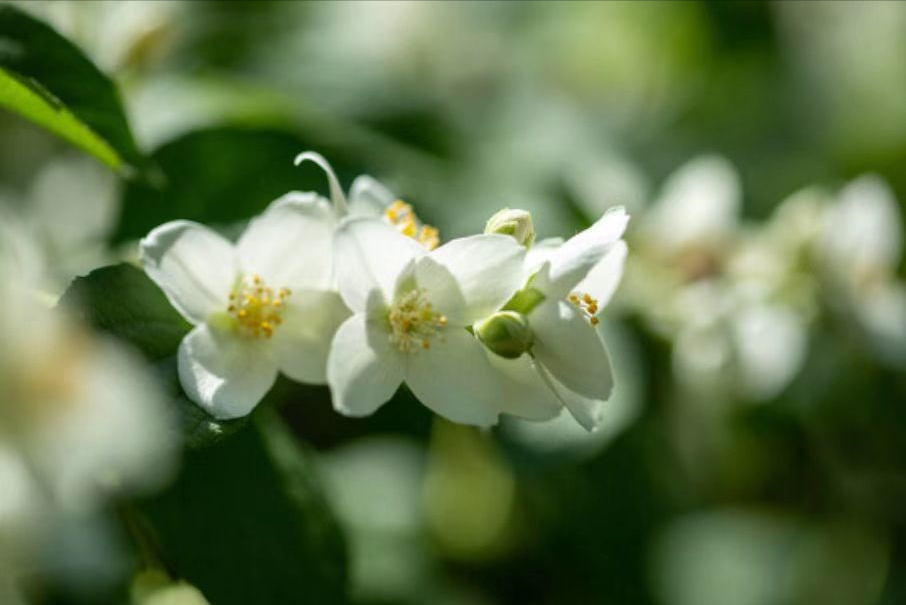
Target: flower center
x,y
585,303
413,322
257,308
400,215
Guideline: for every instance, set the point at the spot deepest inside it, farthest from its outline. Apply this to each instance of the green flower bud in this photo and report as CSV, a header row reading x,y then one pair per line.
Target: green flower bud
x,y
506,333
516,223
154,587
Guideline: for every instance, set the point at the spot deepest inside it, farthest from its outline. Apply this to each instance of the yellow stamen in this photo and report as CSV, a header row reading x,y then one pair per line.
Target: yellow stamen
x,y
400,215
256,308
587,304
414,322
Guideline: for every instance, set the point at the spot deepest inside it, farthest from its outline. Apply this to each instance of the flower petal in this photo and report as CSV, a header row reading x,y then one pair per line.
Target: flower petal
x,y
527,396
302,343
364,370
223,373
571,349
455,379
487,270
603,279
368,197
194,266
369,256
585,410
541,252
440,288
863,231
572,261
291,243
699,202
336,192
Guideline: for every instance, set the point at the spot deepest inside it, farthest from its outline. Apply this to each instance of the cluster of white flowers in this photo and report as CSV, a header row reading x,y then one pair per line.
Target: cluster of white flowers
x,y
359,295
737,299
81,419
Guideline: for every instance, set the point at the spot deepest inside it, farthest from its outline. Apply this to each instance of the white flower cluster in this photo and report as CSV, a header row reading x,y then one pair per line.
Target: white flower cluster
x,y
738,299
359,295
81,419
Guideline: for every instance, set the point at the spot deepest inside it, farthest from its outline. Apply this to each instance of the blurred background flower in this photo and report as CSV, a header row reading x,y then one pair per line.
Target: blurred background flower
x,y
754,450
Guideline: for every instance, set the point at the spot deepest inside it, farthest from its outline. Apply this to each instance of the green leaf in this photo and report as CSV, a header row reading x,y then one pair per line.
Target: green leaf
x,y
123,302
48,80
246,522
222,175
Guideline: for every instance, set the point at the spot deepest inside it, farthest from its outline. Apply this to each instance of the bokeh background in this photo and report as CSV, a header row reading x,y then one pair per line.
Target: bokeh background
x,y
754,451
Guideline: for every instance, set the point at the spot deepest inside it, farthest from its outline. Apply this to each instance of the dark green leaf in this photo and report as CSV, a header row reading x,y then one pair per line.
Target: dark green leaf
x,y
221,175
246,522
48,80
121,301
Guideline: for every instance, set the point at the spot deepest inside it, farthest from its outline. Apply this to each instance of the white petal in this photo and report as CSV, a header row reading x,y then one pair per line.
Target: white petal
x,y
487,270
302,342
864,232
369,257
364,370
571,349
699,201
440,288
336,192
194,266
541,252
882,311
291,243
223,373
527,396
771,343
368,197
572,261
603,279
586,410
455,379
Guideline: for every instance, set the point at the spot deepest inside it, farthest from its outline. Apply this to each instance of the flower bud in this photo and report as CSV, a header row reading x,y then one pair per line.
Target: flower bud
x,y
154,587
517,223
506,333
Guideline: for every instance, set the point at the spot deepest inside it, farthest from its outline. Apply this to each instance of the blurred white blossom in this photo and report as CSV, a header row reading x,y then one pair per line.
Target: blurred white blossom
x,y
720,289
860,250
81,419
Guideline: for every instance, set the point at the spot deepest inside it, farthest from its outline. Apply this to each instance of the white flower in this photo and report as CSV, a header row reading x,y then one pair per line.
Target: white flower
x,y
698,207
80,419
262,305
369,198
861,245
412,310
569,283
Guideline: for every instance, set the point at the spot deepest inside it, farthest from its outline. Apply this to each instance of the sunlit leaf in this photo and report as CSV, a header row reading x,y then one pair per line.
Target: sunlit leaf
x,y
48,80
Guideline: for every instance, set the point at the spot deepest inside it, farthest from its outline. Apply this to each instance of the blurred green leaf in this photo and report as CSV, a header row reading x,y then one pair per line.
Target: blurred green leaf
x,y
222,175
246,522
46,79
121,301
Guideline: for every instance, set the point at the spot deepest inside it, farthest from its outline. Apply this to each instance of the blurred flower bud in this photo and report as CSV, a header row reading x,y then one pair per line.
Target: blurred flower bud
x,y
506,333
517,223
154,587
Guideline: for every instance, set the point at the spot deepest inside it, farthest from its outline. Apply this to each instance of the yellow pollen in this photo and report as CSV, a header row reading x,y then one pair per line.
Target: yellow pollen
x,y
414,322
256,308
587,304
400,215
